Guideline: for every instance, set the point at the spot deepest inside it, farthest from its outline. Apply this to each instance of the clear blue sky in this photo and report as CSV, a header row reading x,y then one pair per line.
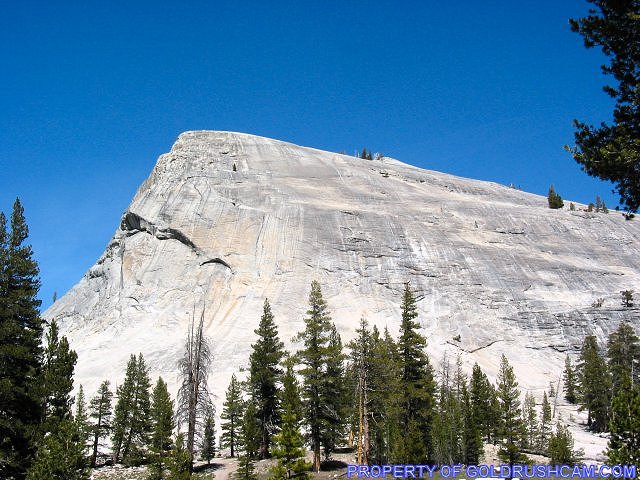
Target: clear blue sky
x,y
92,92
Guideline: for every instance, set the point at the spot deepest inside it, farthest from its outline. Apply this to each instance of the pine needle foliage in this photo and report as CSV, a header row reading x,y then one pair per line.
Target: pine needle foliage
x,y
20,349
265,377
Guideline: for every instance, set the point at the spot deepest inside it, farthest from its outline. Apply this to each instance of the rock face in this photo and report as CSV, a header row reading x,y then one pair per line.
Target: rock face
x,y
226,220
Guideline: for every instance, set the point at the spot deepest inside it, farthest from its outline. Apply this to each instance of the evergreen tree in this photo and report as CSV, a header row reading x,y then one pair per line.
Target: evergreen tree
x,y
232,413
472,446
554,200
385,399
62,442
60,454
313,357
624,442
529,422
623,352
595,385
264,377
545,425
448,426
627,298
20,349
333,394
248,444
561,449
611,152
208,446
418,386
132,421
289,444
100,413
180,461
81,417
484,404
162,425
57,381
249,431
510,421
374,383
569,378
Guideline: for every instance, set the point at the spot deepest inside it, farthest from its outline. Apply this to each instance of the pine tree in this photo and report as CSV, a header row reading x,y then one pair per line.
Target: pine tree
x,y
289,444
81,417
510,421
418,386
611,152
623,352
232,414
333,393
530,422
569,379
20,349
472,436
554,200
248,444
180,461
595,385
162,425
132,420
313,357
264,377
448,427
484,404
360,379
561,449
208,446
627,298
61,445
385,399
544,432
57,377
60,454
624,442
100,413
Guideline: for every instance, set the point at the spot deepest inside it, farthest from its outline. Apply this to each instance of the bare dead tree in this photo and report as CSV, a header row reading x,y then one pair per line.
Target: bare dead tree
x,y
194,401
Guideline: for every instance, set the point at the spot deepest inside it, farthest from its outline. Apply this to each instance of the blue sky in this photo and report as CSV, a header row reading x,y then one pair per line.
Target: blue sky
x,y
93,92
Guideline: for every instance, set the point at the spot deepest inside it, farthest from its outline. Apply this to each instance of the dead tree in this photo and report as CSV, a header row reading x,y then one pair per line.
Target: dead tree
x,y
194,401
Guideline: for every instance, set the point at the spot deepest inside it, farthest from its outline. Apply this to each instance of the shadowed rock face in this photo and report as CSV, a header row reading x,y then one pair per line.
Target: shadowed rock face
x,y
491,264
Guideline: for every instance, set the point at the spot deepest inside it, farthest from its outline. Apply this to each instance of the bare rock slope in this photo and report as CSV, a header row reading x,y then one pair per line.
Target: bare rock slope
x,y
226,220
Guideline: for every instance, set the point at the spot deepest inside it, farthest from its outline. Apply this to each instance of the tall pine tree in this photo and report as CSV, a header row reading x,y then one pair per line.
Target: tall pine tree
x,y
624,442
595,385
208,446
334,394
62,441
289,444
265,376
132,423
569,378
232,414
510,420
100,415
418,386
162,425
20,349
57,377
313,356
623,352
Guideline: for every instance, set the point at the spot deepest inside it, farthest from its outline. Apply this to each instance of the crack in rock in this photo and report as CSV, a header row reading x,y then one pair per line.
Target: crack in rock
x,y
218,261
